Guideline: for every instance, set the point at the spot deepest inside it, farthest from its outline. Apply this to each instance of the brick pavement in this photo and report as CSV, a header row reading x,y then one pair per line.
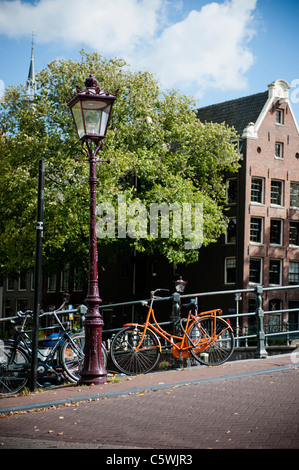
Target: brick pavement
x,y
240,405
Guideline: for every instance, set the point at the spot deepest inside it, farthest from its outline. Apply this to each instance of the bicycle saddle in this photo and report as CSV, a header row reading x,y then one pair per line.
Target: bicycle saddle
x,y
190,306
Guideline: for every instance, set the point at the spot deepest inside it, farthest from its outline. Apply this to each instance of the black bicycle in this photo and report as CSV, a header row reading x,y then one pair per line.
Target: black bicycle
x,y
64,358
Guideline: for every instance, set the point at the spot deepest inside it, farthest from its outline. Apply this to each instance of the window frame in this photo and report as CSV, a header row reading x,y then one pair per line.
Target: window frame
x,y
296,189
294,273
279,112
281,231
273,182
226,267
232,220
65,279
279,154
279,261
296,222
78,279
261,192
260,260
10,284
52,279
261,219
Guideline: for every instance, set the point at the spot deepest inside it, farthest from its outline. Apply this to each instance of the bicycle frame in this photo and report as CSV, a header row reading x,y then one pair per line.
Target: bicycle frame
x,y
22,340
180,349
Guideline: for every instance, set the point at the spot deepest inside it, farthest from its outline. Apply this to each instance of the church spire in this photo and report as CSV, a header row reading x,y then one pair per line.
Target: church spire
x,y
31,85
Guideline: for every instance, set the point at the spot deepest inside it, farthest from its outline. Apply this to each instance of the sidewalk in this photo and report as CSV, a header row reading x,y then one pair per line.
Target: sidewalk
x,y
119,384
253,403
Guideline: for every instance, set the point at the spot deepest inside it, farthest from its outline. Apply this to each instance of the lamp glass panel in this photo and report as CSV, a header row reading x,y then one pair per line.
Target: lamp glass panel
x,y
95,116
77,115
105,117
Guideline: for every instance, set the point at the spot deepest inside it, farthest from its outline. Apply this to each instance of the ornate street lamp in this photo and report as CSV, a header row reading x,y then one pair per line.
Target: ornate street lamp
x,y
180,285
91,110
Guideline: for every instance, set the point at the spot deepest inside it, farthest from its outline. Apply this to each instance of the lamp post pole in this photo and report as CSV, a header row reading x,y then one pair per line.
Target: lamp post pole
x,y
93,370
91,110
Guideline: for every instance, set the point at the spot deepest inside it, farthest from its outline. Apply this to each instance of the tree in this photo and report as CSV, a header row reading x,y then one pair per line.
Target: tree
x,y
159,152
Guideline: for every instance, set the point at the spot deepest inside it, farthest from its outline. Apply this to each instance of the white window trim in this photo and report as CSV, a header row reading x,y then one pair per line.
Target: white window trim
x,y
281,121
281,232
48,287
281,146
282,193
292,244
262,231
293,272
261,272
225,269
19,283
226,238
7,288
280,272
263,191
293,207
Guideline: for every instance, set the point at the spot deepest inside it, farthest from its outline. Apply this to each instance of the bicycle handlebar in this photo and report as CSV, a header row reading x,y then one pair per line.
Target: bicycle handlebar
x,y
27,313
158,290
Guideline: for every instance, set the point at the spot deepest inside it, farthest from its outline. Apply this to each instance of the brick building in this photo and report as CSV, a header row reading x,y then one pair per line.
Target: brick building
x,y
261,245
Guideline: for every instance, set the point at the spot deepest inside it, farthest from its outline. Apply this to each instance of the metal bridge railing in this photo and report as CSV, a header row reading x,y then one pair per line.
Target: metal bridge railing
x,y
261,334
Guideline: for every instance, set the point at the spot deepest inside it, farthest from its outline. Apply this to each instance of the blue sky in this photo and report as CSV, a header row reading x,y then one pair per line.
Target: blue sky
x,y
214,51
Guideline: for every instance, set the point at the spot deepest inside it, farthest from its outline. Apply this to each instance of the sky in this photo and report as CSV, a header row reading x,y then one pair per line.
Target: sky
x,y
213,50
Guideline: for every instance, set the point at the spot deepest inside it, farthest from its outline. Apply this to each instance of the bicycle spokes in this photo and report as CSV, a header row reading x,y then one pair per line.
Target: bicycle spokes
x,y
212,340
135,351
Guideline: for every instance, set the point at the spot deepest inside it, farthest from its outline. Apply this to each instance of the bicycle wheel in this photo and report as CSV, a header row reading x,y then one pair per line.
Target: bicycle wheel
x,y
11,363
72,356
129,360
213,341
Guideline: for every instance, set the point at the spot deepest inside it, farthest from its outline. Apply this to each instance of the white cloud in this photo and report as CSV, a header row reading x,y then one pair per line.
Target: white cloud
x,y
208,48
110,26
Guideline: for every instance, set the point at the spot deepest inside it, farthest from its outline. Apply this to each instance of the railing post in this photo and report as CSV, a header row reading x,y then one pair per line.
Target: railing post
x,y
260,352
288,336
175,317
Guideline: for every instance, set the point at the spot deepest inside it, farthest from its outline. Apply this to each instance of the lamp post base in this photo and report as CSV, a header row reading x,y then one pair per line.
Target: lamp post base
x,y
93,371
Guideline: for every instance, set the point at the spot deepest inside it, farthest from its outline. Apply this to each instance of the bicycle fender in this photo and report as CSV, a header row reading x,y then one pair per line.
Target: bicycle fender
x,y
223,319
142,326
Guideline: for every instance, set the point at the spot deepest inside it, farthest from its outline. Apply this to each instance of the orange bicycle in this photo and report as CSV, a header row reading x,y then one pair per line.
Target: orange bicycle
x,y
136,348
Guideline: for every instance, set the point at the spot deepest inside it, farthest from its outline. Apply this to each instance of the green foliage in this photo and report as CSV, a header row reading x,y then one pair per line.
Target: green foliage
x,y
159,152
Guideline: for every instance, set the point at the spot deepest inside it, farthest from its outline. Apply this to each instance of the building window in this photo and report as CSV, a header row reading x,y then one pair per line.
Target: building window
x,y
277,193
275,272
279,150
294,200
257,190
230,270
231,191
255,270
279,116
65,279
276,231
22,281
52,282
10,284
231,233
256,229
294,233
294,273
78,278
